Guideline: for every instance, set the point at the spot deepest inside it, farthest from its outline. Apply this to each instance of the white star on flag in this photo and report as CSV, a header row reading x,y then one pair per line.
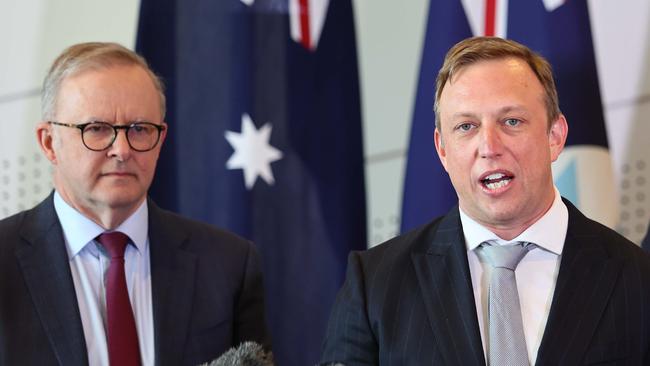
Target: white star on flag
x,y
253,153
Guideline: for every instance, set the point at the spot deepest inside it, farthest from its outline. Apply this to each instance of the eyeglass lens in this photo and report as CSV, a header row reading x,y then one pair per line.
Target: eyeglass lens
x,y
100,135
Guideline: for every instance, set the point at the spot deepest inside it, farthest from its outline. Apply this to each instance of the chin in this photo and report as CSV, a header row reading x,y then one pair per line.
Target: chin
x,y
501,214
123,199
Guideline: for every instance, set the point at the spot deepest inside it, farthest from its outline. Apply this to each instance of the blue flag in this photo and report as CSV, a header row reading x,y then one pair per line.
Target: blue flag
x,y
559,31
265,140
428,193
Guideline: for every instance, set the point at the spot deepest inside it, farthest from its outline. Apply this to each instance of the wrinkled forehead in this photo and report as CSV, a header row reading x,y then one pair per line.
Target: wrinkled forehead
x,y
491,85
510,62
118,93
101,66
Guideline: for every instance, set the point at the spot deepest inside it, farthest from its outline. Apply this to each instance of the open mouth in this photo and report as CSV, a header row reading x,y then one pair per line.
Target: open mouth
x,y
495,181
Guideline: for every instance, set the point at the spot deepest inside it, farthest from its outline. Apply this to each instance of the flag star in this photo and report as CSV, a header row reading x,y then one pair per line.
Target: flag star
x,y
248,2
253,153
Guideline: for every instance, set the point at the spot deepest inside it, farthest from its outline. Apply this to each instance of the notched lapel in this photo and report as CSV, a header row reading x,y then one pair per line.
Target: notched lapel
x,y
444,279
173,272
586,280
46,269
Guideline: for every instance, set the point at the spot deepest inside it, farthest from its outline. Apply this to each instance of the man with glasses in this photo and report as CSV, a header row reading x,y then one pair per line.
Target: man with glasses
x,y
97,273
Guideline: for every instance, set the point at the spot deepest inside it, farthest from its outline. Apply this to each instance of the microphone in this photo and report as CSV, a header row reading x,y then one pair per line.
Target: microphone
x,y
246,354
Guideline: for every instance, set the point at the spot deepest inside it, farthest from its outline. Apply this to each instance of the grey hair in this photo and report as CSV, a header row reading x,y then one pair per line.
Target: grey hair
x,y
91,56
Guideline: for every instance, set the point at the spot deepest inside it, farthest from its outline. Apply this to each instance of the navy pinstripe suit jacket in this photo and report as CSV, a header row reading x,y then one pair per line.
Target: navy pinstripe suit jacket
x,y
409,301
206,291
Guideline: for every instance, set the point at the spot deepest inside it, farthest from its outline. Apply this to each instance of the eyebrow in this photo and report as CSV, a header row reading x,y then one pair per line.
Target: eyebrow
x,y
112,122
463,115
503,110
513,108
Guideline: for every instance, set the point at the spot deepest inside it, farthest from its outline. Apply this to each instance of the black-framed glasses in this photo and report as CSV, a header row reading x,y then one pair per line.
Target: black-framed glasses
x,y
99,136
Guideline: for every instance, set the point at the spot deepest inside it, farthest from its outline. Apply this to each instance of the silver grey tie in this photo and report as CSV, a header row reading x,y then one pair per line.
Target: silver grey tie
x,y
506,340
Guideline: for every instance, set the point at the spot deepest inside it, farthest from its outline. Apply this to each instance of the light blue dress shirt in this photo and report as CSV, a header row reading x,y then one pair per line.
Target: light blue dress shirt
x,y
89,265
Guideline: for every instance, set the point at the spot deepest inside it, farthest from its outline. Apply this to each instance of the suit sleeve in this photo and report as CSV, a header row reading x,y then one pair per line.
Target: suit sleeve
x,y
250,322
349,338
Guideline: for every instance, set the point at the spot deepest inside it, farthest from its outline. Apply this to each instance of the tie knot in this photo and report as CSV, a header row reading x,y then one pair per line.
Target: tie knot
x,y
114,242
504,256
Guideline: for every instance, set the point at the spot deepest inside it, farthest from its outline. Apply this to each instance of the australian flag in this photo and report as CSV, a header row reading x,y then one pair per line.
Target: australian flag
x,y
560,31
265,140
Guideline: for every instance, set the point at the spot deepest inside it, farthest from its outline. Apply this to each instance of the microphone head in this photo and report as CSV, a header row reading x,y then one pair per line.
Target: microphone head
x,y
246,354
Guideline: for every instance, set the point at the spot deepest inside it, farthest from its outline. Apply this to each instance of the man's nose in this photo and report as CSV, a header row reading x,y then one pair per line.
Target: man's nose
x,y
491,144
120,146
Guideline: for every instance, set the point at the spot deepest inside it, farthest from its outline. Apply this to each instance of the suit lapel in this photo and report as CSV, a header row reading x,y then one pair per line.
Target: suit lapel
x,y
46,269
444,279
585,282
172,280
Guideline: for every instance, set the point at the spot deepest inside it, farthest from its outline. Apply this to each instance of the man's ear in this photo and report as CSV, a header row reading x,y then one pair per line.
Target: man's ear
x,y
46,141
440,147
163,134
557,136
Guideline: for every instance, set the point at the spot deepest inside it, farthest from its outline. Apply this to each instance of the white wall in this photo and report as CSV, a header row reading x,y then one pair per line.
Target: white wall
x,y
390,36
621,32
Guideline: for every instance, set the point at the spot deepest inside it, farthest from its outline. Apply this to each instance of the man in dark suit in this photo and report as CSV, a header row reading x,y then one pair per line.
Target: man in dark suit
x,y
97,274
579,293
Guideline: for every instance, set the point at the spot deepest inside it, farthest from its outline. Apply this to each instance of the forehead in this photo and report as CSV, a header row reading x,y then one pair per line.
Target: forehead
x,y
121,91
491,83
511,69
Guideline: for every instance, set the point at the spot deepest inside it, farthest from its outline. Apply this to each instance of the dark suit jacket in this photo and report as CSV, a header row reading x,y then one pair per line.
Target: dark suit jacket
x,y
409,301
206,288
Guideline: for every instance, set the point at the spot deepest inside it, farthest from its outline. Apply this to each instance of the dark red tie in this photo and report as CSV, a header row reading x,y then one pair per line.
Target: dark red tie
x,y
123,348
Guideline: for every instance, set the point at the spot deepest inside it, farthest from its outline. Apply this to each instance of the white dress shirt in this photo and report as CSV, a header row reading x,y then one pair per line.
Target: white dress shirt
x,y
536,274
89,266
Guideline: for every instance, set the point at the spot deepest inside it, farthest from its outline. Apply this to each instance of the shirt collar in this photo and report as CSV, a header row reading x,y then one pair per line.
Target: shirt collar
x,y
78,230
549,232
